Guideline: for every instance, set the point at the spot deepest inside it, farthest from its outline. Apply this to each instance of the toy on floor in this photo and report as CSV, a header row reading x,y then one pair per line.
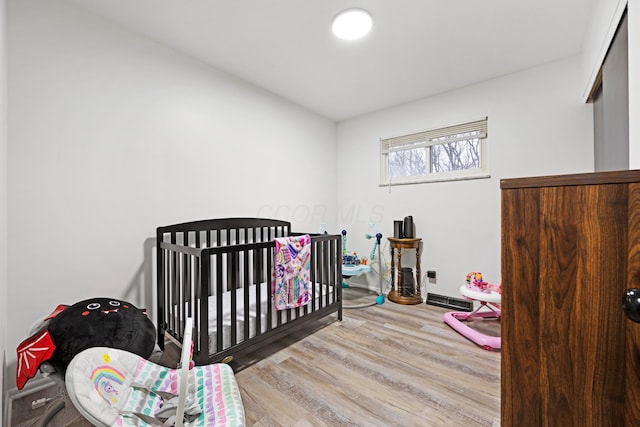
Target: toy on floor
x,y
112,387
479,284
488,295
352,266
96,322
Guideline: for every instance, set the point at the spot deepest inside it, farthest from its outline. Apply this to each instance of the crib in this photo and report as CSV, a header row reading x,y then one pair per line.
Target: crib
x,y
218,272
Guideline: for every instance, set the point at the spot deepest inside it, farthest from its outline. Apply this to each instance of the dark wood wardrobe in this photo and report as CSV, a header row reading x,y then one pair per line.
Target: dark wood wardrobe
x,y
570,249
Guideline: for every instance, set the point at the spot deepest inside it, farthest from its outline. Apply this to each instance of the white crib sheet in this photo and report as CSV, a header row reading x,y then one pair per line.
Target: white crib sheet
x,y
265,295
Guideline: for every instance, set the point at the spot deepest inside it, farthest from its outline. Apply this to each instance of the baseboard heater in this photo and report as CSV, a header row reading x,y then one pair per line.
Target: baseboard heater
x,y
449,302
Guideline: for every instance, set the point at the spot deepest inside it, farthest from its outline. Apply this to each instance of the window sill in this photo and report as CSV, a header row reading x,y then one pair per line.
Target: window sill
x,y
436,179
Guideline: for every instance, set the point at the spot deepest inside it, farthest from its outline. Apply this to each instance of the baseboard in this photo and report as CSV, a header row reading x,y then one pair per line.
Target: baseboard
x,y
449,302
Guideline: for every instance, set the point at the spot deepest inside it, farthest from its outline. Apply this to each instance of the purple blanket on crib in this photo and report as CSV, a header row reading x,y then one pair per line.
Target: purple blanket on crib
x,y
290,278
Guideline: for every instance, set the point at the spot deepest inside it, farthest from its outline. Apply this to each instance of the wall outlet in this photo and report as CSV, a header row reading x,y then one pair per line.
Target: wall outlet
x,y
432,273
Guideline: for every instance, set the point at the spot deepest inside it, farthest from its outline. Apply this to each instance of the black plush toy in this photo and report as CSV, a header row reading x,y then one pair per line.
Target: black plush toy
x,y
96,322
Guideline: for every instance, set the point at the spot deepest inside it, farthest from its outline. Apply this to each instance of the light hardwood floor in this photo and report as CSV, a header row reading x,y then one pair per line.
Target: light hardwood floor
x,y
385,365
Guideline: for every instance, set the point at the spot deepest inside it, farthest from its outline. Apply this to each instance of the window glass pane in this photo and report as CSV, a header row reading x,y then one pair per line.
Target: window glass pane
x,y
462,154
448,153
409,162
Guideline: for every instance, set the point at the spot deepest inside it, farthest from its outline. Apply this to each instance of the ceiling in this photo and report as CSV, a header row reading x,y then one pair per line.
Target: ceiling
x,y
416,49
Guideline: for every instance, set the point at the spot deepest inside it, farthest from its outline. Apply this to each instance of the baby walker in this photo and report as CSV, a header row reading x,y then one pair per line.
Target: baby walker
x,y
353,266
489,297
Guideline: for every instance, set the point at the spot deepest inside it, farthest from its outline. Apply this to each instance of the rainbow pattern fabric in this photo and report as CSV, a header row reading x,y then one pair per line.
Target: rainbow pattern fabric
x,y
290,277
108,381
111,387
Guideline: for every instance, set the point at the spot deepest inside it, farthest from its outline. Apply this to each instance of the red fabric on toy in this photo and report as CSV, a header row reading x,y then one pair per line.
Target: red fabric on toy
x,y
59,309
31,353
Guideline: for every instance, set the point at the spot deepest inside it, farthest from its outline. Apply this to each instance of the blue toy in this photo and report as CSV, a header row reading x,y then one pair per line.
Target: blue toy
x,y
352,265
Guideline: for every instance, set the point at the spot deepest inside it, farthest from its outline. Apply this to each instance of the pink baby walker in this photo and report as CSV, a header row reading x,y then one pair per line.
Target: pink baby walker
x,y
488,295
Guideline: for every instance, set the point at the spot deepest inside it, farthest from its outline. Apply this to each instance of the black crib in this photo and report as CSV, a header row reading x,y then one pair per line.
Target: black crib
x,y
218,272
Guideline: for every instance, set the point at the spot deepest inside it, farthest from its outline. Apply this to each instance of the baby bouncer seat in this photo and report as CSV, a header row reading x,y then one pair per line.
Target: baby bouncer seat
x,y
112,387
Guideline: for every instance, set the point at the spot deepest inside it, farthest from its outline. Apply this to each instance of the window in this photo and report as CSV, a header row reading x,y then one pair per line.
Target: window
x,y
448,153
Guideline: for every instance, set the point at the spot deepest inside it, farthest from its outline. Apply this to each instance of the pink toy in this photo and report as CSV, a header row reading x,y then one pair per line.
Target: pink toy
x,y
488,295
481,285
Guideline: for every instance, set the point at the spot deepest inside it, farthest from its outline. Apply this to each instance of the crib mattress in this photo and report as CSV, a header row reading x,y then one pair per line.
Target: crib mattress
x,y
265,294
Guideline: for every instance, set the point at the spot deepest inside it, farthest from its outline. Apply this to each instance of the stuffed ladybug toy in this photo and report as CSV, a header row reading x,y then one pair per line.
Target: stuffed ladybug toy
x,y
96,322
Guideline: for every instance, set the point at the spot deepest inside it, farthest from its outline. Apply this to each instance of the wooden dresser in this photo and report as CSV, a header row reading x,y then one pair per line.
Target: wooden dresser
x,y
570,249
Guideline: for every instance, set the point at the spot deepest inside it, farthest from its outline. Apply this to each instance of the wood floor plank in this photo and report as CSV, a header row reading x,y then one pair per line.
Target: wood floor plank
x,y
387,364
254,392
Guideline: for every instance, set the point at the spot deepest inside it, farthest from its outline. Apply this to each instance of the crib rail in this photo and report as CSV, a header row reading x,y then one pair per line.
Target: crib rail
x,y
234,266
224,232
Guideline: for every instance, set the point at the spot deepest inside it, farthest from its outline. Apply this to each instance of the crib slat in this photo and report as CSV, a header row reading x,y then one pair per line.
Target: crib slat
x,y
321,279
257,281
161,287
330,275
277,313
246,294
202,316
219,308
312,274
232,285
305,308
336,260
175,259
327,267
183,290
268,253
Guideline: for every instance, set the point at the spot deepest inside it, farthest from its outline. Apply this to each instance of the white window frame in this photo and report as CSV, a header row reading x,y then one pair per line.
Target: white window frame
x,y
428,138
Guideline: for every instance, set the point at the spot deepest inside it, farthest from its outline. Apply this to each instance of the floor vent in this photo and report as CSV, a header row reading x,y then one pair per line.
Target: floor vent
x,y
449,302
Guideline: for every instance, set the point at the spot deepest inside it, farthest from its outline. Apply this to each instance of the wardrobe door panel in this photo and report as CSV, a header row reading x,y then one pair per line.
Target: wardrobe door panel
x,y
520,391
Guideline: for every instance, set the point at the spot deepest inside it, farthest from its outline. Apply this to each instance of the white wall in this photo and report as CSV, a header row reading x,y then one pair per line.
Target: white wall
x,y
3,201
112,135
538,125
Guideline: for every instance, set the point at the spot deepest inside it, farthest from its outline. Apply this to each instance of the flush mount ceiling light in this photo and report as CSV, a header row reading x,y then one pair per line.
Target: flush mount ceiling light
x,y
352,24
